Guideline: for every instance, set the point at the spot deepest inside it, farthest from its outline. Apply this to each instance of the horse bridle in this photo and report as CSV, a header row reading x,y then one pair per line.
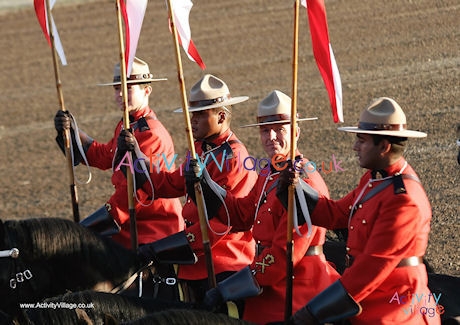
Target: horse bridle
x,y
13,253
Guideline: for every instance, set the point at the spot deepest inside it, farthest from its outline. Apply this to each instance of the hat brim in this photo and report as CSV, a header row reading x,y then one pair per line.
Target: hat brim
x,y
401,134
278,122
142,81
231,101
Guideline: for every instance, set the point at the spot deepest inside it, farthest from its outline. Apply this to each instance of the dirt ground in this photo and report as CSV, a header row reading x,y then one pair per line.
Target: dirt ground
x,y
407,50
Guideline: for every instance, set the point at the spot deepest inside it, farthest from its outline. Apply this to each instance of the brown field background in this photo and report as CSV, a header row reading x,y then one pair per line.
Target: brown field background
x,y
407,50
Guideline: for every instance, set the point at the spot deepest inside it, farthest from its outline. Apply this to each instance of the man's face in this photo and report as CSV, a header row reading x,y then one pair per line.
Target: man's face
x,y
369,154
206,123
275,138
137,96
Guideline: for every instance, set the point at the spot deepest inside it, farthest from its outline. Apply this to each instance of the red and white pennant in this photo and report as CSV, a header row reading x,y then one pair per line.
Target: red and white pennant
x,y
40,10
324,56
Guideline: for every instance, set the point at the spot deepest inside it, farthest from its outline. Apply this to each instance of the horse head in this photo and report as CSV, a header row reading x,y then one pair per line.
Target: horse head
x,y
56,256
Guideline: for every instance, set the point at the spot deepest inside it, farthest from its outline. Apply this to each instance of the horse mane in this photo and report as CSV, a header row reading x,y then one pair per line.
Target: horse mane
x,y
186,316
43,238
62,256
92,307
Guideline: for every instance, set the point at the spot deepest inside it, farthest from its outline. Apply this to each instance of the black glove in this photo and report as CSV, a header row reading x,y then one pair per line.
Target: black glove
x,y
291,175
303,317
126,141
333,304
62,121
213,201
173,249
237,286
191,178
101,222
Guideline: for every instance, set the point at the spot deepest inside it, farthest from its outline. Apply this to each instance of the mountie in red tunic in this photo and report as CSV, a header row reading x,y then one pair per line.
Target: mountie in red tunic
x,y
387,236
231,251
263,211
157,219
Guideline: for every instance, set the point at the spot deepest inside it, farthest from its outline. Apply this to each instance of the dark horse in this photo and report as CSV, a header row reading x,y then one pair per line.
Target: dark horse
x,y
56,256
91,307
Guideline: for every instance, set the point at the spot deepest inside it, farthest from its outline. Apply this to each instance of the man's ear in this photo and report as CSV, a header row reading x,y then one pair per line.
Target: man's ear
x,y
148,90
222,117
385,146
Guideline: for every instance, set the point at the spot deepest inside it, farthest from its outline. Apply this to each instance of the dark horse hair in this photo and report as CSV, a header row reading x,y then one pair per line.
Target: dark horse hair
x,y
92,307
185,317
57,256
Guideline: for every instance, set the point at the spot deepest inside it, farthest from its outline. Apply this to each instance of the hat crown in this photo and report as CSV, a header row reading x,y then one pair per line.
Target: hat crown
x,y
208,88
139,71
383,117
275,103
383,111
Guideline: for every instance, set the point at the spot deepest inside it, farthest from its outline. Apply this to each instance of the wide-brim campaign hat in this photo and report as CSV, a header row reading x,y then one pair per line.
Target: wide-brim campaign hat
x,y
383,116
140,73
275,109
210,92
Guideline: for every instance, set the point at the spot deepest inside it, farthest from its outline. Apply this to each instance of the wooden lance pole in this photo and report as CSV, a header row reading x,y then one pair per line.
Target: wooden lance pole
x,y
126,126
191,146
67,136
291,189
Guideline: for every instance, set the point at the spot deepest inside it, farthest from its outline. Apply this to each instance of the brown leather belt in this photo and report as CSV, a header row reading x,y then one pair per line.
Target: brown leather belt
x,y
314,250
311,251
408,261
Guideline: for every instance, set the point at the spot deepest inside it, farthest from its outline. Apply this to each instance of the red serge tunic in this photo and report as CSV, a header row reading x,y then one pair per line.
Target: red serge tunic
x,y
312,274
231,251
163,216
385,229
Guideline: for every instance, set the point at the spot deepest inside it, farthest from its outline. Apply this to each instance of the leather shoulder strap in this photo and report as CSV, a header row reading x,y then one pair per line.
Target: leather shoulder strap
x,y
396,180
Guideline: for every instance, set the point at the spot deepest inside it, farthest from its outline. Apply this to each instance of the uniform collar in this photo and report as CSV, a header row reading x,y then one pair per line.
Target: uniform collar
x,y
391,170
136,115
221,139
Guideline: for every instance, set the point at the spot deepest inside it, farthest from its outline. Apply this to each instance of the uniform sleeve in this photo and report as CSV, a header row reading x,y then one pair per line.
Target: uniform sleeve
x,y
100,155
157,146
237,182
240,211
167,180
333,214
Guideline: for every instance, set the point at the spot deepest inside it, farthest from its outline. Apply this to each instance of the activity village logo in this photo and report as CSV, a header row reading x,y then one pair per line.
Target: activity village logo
x,y
423,303
261,165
